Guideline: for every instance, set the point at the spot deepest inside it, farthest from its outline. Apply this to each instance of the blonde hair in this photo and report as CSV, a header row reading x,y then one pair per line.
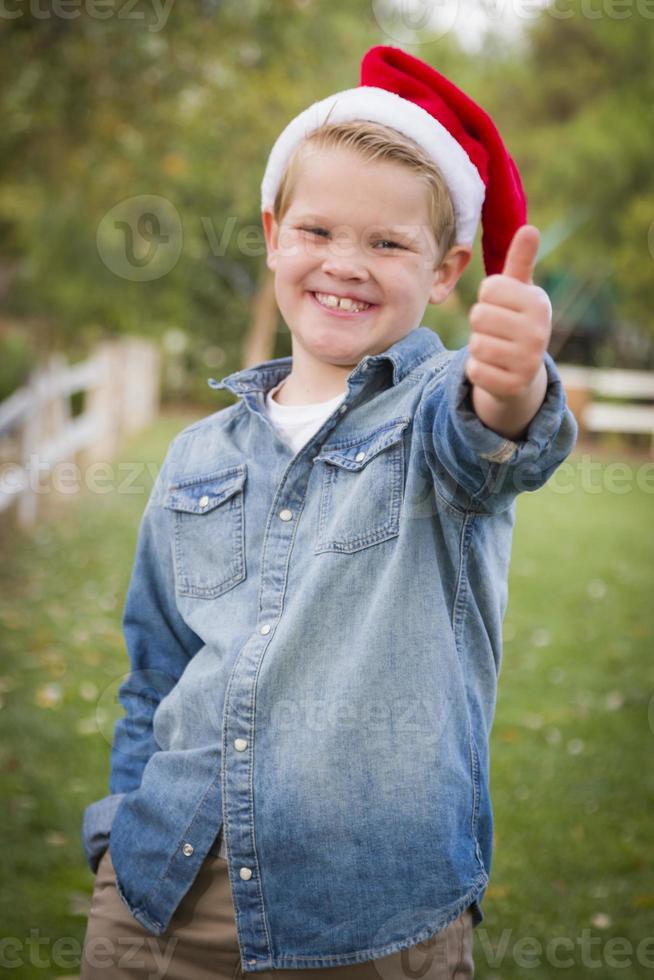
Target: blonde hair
x,y
375,141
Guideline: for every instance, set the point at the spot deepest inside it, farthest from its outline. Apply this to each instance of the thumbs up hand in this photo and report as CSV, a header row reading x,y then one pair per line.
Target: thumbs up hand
x,y
510,326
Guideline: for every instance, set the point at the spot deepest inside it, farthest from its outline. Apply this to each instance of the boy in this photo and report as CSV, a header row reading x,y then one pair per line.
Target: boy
x,y
314,617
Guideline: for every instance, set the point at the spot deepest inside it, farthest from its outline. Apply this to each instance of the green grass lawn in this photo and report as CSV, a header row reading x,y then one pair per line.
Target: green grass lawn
x,y
572,886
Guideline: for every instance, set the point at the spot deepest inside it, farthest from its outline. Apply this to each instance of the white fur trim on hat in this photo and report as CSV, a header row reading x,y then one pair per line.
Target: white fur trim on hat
x,y
381,106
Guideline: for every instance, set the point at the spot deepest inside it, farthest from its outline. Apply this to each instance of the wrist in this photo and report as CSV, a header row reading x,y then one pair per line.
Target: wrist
x,y
510,415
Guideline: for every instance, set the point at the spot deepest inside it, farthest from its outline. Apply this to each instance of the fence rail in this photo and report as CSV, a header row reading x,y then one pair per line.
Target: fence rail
x,y
121,385
629,415
121,382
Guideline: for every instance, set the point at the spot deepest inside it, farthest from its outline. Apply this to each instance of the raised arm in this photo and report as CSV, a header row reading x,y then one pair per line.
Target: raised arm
x,y
495,421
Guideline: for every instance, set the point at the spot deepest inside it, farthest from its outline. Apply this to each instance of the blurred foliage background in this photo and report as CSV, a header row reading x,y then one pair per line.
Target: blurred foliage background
x,y
103,105
185,102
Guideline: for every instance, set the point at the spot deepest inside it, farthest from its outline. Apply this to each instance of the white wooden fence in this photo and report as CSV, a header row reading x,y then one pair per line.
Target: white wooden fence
x,y
121,381
631,414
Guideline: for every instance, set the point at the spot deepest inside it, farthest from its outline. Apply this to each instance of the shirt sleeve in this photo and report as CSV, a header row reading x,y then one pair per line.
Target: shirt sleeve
x,y
476,468
159,646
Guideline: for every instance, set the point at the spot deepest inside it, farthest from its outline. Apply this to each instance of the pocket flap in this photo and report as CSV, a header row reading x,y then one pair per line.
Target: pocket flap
x,y
200,494
356,451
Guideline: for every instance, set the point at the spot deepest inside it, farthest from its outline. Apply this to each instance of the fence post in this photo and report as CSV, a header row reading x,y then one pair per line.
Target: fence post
x,y
30,436
104,402
578,397
140,375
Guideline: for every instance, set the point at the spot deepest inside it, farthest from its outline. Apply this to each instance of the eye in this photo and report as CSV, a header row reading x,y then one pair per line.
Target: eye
x,y
316,231
391,244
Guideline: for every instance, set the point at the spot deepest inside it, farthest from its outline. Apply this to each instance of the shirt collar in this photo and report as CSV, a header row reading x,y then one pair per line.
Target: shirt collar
x,y
403,356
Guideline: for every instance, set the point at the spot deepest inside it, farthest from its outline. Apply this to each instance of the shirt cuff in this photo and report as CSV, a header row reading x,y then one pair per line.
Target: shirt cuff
x,y
490,445
96,827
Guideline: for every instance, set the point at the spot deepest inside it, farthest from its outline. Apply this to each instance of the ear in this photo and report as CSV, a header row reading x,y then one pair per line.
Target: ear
x,y
449,272
271,234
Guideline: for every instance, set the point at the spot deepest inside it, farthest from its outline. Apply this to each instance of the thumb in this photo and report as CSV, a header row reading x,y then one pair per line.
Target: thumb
x,y
521,256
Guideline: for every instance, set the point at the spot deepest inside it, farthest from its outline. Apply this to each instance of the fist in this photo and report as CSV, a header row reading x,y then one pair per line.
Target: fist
x,y
511,324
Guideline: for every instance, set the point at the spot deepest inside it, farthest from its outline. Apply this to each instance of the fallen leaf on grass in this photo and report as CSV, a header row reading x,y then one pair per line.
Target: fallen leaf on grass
x,y
79,903
643,901
596,588
55,838
48,696
88,690
541,637
498,891
87,726
614,700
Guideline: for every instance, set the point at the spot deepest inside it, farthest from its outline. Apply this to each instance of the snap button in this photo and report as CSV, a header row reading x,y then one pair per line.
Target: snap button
x,y
204,501
187,850
265,629
359,457
245,873
286,515
240,744
343,408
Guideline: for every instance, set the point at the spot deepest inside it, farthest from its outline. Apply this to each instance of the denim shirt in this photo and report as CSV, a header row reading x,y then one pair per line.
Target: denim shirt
x,y
314,643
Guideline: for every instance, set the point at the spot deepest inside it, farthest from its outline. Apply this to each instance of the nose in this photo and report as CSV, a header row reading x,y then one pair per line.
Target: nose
x,y
343,261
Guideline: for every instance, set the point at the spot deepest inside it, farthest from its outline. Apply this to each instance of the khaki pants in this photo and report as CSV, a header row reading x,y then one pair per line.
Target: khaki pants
x,y
201,941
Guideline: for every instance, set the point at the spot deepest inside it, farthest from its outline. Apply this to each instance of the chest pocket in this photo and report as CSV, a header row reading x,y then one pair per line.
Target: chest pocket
x,y
209,532
361,489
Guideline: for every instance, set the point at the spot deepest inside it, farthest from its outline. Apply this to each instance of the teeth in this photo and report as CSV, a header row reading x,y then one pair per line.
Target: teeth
x,y
331,301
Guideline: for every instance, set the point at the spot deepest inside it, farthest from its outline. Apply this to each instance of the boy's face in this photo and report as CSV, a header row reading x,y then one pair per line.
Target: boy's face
x,y
361,230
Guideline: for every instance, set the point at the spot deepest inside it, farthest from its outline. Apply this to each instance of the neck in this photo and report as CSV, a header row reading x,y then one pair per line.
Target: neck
x,y
289,394
304,385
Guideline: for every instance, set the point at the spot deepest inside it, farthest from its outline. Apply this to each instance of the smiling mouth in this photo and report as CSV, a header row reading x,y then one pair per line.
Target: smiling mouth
x,y
341,306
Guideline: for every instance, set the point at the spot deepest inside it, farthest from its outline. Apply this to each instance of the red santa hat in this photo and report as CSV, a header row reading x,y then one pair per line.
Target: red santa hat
x,y
412,97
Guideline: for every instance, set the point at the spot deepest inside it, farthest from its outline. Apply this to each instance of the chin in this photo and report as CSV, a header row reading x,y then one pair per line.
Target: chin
x,y
329,348
334,355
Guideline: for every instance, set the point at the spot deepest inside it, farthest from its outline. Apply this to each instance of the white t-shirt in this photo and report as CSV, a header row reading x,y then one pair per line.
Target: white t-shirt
x,y
297,423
